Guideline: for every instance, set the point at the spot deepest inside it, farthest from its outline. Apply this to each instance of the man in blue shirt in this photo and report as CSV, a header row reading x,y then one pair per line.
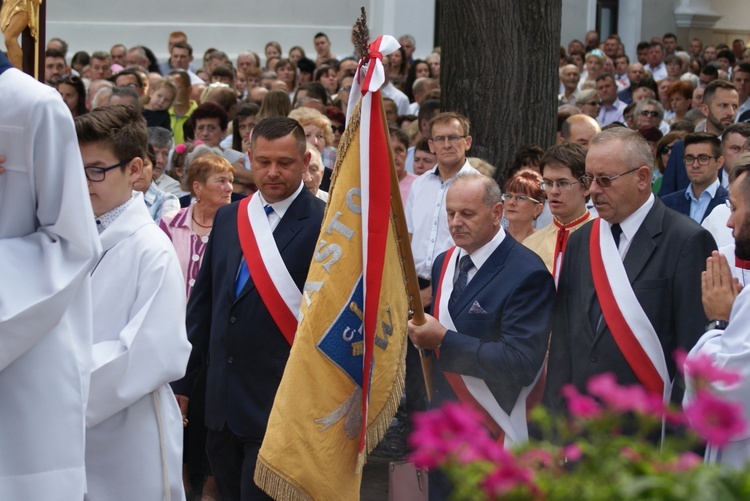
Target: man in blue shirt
x,y
703,160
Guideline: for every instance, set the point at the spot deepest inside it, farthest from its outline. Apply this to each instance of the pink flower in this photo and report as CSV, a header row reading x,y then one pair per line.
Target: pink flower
x,y
573,452
703,371
714,419
579,405
454,431
631,454
632,398
537,457
505,478
180,148
686,462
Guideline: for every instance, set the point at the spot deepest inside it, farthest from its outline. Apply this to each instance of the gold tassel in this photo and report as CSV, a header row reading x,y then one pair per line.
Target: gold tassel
x,y
276,485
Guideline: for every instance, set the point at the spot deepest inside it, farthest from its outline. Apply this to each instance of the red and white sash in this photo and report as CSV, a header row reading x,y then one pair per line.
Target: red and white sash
x,y
628,323
472,390
267,269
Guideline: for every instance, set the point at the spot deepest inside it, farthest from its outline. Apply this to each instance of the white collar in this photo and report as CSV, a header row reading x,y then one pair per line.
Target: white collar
x,y
281,207
634,221
482,254
711,190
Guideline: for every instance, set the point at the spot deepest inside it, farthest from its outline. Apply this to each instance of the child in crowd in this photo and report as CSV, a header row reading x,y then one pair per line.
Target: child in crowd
x,y
160,98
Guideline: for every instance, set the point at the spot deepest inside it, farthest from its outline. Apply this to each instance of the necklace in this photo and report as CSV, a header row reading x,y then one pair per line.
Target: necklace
x,y
202,226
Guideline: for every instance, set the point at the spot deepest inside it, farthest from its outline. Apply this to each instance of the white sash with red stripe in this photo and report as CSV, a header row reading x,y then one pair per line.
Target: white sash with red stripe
x,y
473,390
628,323
267,269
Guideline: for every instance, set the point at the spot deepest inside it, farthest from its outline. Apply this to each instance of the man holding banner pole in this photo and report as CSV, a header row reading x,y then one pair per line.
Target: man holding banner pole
x,y
630,288
492,307
243,312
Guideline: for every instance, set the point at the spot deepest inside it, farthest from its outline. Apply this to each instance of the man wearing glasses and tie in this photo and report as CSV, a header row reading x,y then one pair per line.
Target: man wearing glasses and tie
x,y
630,289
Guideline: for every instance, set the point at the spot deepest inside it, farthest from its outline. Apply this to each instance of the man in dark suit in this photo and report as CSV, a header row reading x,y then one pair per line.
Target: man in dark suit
x,y
703,161
493,302
663,254
233,326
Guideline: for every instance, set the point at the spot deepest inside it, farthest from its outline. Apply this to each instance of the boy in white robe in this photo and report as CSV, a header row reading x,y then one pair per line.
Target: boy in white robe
x,y
134,426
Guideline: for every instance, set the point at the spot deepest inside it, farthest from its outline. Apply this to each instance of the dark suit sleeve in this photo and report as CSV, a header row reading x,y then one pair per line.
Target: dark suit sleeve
x,y
518,351
690,319
559,368
198,321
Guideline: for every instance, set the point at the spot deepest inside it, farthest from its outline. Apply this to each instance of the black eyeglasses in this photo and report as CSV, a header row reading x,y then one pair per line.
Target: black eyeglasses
x,y
652,114
338,128
666,149
97,174
603,181
702,159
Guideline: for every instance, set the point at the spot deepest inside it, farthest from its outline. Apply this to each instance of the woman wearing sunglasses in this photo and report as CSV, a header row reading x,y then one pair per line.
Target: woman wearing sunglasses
x,y
73,93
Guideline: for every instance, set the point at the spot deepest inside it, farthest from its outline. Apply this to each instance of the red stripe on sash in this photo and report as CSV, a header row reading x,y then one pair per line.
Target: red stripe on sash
x,y
629,345
277,307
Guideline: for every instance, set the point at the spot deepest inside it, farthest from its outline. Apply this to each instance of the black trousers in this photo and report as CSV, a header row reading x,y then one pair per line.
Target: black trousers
x,y
232,461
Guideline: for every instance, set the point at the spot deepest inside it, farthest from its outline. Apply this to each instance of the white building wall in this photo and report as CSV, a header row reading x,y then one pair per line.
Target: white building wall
x,y
233,25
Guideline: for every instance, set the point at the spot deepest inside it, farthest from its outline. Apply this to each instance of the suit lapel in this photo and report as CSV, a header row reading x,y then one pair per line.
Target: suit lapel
x,y
234,251
484,275
719,197
291,224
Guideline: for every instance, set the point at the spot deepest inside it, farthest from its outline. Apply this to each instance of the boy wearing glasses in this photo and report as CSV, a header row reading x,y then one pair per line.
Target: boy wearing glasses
x,y
703,160
134,426
562,166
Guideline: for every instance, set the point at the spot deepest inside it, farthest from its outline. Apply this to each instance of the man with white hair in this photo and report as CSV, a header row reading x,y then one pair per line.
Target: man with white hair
x,y
409,45
629,293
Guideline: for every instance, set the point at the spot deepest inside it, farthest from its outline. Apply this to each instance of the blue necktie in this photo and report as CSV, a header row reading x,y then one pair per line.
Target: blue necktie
x,y
464,265
244,274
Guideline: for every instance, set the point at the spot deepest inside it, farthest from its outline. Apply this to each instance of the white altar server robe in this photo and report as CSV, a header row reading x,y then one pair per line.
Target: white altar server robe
x,y
730,350
134,436
48,245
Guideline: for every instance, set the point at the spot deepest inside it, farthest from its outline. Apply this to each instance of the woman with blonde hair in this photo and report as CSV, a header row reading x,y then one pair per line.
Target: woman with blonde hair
x,y
319,133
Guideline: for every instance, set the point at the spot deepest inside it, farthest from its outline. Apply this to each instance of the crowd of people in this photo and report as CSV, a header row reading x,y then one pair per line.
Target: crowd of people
x,y
590,254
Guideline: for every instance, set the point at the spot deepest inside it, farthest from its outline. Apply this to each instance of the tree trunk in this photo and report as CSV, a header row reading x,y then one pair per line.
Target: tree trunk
x,y
499,66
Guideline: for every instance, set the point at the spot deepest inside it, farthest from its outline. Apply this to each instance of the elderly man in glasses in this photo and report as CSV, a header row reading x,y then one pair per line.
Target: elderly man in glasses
x,y
629,293
703,160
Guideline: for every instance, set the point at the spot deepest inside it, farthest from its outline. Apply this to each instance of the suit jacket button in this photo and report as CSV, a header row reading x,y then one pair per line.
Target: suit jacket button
x,y
232,320
594,358
230,360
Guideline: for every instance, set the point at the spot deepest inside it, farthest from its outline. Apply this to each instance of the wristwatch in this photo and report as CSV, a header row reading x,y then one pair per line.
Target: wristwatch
x,y
716,324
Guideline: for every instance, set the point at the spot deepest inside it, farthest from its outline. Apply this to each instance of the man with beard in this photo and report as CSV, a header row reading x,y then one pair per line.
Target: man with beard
x,y
720,103
727,304
629,290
